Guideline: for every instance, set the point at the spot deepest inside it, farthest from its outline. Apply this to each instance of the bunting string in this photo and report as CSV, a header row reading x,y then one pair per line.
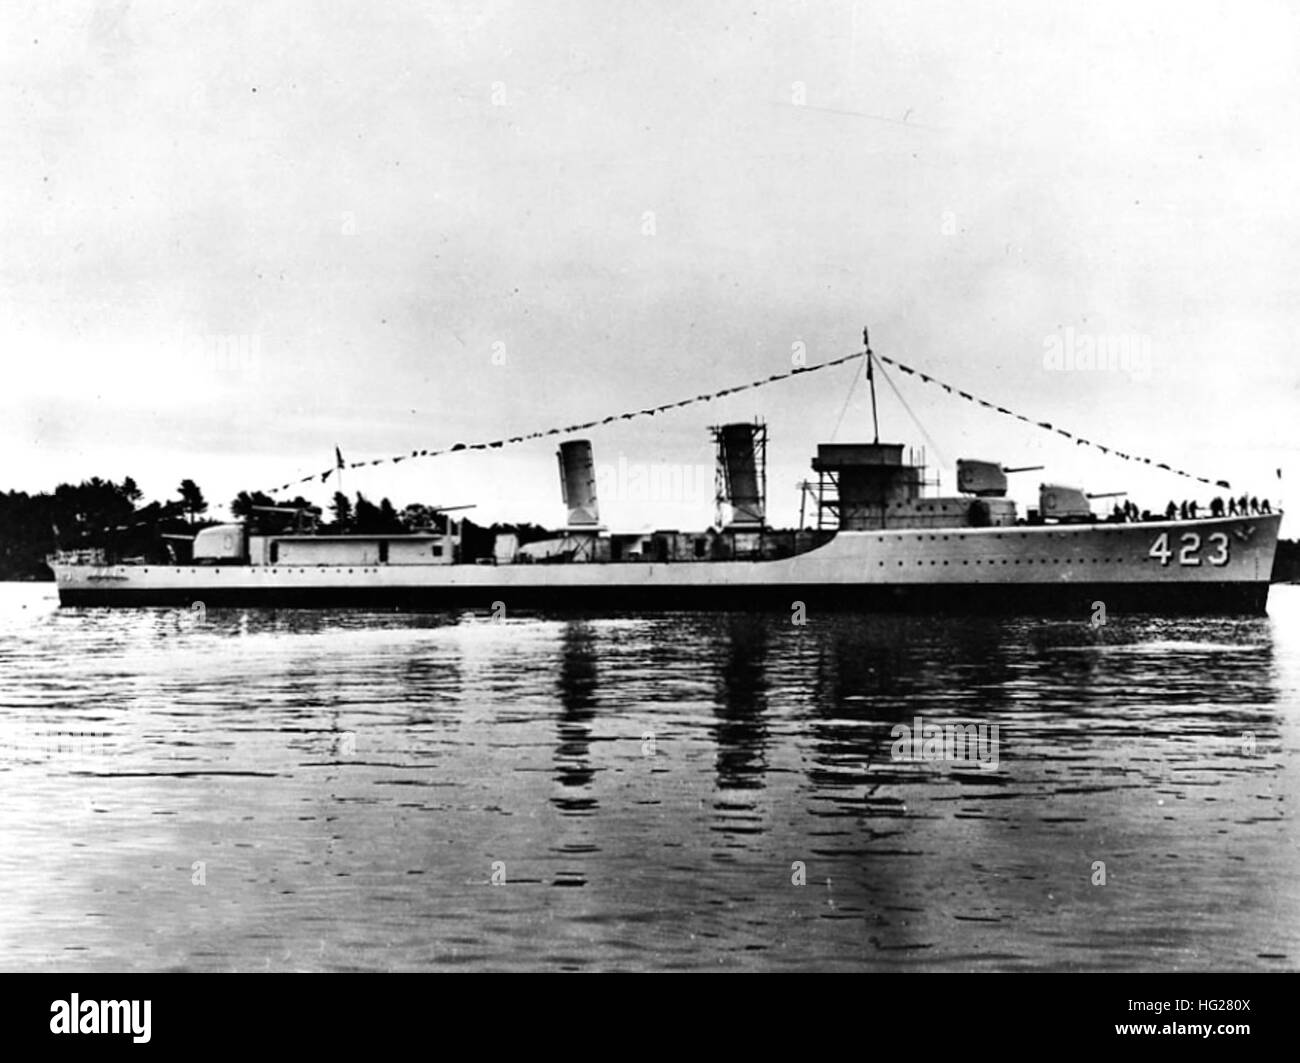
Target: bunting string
x,y
651,411
1048,426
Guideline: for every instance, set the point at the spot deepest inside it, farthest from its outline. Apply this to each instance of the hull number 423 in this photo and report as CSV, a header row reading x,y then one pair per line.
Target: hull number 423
x,y
1189,549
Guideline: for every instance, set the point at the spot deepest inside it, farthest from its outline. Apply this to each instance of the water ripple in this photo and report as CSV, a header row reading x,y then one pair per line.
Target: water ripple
x,y
358,791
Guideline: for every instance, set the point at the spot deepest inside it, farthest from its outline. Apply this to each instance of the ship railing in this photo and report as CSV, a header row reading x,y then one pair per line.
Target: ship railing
x,y
85,556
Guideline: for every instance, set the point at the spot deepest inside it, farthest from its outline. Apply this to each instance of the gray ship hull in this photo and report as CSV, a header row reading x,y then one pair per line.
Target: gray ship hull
x,y
1212,566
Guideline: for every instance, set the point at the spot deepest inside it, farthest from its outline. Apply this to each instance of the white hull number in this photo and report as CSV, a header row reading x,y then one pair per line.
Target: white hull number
x,y
1189,549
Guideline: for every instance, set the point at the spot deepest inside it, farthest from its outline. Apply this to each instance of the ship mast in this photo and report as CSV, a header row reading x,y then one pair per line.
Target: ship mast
x,y
871,379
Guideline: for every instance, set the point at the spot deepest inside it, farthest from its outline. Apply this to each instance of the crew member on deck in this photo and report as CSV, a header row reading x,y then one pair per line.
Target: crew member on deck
x,y
1232,507
1171,511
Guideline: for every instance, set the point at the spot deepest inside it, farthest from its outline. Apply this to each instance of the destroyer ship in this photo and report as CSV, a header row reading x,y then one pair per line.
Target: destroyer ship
x,y
877,542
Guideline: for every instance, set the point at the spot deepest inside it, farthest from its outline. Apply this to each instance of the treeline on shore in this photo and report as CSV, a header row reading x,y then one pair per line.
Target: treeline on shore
x,y
99,512
1286,562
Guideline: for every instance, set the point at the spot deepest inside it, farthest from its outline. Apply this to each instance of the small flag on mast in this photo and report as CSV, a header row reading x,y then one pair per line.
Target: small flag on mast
x,y
338,457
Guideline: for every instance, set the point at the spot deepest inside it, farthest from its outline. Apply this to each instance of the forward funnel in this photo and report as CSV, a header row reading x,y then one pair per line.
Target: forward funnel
x,y
742,472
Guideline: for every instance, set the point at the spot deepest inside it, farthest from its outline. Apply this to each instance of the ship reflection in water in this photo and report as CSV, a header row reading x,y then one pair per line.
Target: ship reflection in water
x,y
350,791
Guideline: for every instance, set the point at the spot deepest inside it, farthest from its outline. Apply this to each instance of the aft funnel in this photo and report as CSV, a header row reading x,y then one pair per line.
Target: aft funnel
x,y
578,482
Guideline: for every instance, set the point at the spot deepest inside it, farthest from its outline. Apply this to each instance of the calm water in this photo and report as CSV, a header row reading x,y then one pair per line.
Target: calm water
x,y
338,791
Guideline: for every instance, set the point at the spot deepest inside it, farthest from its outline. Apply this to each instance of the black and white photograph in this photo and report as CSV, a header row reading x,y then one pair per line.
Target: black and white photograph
x,y
785,487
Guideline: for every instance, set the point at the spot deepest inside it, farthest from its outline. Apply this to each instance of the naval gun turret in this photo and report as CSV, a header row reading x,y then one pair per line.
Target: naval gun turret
x,y
986,479
1067,504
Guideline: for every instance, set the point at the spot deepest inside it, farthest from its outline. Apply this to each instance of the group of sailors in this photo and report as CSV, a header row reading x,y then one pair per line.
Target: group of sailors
x,y
1246,505
1243,506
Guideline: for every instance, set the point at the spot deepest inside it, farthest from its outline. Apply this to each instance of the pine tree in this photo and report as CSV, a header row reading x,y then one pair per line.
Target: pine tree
x,y
342,510
192,499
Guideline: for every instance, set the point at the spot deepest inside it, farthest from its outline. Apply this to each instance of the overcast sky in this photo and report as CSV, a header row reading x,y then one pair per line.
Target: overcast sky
x,y
236,235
